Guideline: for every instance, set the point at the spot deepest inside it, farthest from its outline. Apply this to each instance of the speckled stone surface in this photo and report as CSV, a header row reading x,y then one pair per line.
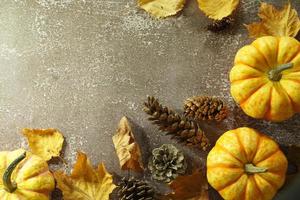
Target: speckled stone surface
x,y
80,65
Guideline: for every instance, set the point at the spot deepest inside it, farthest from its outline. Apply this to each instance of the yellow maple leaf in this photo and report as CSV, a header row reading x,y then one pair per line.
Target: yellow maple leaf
x,y
162,8
218,9
127,149
46,143
275,22
85,182
189,187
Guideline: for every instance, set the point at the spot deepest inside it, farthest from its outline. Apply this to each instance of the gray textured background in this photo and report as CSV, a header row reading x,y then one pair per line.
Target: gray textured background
x,y
80,65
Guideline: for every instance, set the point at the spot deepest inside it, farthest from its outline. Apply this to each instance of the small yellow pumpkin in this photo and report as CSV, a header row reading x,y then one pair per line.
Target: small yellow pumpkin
x,y
24,176
265,79
246,165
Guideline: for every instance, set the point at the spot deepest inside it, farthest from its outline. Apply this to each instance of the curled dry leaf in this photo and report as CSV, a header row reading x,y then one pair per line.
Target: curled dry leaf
x,y
275,22
85,182
191,187
46,143
218,9
162,8
127,149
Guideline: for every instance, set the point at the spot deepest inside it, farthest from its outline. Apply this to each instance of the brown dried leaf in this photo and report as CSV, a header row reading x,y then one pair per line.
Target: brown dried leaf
x,y
162,8
275,22
218,9
85,182
127,149
190,187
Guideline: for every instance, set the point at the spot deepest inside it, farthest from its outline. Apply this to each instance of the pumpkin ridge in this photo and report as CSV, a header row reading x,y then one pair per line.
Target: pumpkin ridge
x,y
263,55
245,189
268,156
227,151
241,63
294,56
247,98
256,185
45,169
42,173
292,61
268,181
41,191
247,78
231,182
277,48
293,104
257,145
236,133
268,111
294,80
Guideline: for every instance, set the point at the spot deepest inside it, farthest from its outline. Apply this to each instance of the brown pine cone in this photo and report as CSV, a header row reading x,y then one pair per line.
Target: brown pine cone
x,y
182,129
205,108
134,189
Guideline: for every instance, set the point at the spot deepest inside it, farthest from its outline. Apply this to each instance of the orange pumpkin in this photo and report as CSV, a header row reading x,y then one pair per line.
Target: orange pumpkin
x,y
265,79
246,165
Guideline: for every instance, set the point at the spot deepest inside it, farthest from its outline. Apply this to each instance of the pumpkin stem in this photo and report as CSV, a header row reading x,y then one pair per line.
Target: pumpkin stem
x,y
275,74
8,184
251,169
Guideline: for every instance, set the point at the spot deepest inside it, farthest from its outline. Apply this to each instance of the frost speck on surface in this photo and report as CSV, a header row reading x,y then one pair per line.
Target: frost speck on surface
x,y
6,52
54,3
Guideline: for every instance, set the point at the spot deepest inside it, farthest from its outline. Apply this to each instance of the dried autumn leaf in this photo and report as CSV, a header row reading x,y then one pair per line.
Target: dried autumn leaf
x,y
275,22
191,187
218,9
162,8
127,149
85,182
46,143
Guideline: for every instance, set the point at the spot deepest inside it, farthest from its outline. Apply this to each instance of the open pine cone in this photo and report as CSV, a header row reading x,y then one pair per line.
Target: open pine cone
x,y
182,129
167,163
133,189
205,108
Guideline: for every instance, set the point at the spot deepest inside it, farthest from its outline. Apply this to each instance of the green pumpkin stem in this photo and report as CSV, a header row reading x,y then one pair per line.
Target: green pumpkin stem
x,y
8,184
251,169
275,74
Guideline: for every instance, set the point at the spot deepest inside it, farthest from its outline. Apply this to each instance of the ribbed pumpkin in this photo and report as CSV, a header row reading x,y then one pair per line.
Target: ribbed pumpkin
x,y
246,165
265,79
24,176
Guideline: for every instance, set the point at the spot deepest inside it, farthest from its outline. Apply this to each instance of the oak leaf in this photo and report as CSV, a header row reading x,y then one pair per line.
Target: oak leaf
x,y
46,143
85,182
275,22
161,8
128,151
218,9
189,187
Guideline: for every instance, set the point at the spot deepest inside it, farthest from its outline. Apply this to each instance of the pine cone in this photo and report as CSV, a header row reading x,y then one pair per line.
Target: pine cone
x,y
182,129
133,189
205,108
167,163
219,25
